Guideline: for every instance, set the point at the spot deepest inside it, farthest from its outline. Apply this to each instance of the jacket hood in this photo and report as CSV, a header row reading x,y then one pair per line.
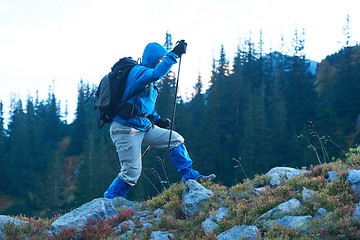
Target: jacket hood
x,y
153,51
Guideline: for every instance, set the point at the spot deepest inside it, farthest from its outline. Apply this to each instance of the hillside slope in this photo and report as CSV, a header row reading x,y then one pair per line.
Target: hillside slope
x,y
285,203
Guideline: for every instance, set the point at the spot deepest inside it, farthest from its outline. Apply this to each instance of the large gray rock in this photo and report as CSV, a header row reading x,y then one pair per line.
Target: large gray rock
x,y
353,178
100,208
292,222
240,232
279,174
194,196
159,235
5,219
288,207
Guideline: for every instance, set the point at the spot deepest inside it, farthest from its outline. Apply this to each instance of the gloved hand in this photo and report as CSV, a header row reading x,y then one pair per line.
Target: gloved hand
x,y
180,48
163,123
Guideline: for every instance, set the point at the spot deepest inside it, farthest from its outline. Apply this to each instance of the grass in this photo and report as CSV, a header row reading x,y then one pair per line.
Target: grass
x,y
245,207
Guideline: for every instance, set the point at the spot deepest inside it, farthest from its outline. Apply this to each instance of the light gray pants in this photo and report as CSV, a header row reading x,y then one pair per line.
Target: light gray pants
x,y
128,143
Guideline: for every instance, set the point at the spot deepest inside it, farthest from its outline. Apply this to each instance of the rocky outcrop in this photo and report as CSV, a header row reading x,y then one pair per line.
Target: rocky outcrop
x,y
159,235
241,232
194,196
289,207
353,177
97,209
279,174
292,222
5,220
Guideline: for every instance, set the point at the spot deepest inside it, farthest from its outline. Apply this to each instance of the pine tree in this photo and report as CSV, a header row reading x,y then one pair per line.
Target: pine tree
x,y
80,125
17,181
99,164
197,103
337,87
2,145
217,143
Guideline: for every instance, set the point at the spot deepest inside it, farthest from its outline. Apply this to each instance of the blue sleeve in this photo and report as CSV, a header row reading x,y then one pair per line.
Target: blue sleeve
x,y
156,116
141,76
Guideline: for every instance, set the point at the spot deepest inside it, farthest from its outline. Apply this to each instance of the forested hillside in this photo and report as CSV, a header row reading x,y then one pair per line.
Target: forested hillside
x,y
261,110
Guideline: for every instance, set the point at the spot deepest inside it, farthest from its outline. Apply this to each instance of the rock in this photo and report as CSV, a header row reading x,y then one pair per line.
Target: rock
x,y
141,216
332,176
126,225
193,196
208,225
353,178
158,213
5,219
258,191
159,235
240,232
147,225
127,234
307,195
100,208
288,207
278,174
321,213
292,222
220,214
356,213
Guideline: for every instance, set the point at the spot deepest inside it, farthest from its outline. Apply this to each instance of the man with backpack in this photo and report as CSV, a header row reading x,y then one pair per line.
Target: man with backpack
x,y
146,127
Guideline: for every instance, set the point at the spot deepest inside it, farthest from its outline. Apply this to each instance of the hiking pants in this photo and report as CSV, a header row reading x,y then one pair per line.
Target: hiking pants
x,y
128,141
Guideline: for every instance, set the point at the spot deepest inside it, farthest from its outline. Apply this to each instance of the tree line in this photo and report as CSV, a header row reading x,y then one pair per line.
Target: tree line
x,y
261,110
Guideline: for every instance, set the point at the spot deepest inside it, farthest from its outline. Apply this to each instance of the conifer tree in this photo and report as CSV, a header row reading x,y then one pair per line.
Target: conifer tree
x,y
217,147
197,103
2,143
17,172
99,164
79,126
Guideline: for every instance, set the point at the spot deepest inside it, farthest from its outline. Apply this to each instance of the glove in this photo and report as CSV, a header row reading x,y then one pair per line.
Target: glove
x,y
180,48
163,123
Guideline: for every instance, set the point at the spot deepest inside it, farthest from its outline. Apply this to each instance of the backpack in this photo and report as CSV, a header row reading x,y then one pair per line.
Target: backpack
x,y
108,96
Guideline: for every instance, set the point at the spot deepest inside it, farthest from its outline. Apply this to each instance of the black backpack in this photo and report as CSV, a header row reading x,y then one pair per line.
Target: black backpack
x,y
109,94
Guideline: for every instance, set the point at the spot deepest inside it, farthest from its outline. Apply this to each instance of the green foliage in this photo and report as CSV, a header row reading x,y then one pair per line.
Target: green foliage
x,y
174,192
353,156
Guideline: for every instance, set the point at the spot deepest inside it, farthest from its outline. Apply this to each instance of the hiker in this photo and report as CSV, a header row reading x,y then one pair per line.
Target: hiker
x,y
149,129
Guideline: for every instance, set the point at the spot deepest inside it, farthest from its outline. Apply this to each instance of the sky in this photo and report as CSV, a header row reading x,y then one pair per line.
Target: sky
x,y
57,43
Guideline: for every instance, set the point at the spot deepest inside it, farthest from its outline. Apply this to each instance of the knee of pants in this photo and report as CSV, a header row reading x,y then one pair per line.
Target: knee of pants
x,y
130,176
176,140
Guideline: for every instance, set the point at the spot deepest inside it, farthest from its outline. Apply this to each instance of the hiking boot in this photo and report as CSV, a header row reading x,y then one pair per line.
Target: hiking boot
x,y
210,177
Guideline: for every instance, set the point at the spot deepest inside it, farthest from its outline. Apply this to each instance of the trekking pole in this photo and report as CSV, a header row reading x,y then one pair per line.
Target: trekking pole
x,y
174,106
145,152
173,113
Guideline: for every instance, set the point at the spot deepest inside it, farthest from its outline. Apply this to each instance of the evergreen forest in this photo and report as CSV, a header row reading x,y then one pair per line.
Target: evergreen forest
x,y
261,110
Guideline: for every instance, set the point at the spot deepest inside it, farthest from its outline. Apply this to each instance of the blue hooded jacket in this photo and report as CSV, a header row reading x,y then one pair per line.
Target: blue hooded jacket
x,y
143,78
